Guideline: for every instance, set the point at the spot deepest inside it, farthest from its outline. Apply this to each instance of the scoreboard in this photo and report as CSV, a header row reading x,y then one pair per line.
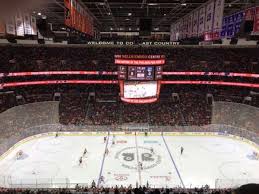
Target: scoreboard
x,y
140,73
139,77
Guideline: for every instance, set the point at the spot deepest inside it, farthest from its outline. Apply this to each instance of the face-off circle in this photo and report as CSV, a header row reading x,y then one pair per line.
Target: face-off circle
x,y
128,157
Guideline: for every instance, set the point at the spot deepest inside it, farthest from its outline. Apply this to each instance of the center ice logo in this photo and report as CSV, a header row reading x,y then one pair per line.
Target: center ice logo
x,y
129,159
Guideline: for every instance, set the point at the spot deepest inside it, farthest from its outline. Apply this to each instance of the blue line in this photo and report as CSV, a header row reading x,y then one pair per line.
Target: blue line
x,y
101,171
139,170
173,161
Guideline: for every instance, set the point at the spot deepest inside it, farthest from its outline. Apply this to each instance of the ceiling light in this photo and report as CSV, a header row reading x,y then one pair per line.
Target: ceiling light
x,y
39,14
127,19
109,13
129,14
183,4
152,4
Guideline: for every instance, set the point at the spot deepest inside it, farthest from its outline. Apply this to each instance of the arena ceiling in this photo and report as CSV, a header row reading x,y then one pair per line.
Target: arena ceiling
x,y
124,15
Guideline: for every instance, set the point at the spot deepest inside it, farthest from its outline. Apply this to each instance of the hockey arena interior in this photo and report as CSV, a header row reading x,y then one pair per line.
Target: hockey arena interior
x,y
129,96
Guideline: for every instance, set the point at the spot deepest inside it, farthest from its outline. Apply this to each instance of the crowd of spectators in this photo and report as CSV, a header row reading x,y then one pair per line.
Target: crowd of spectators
x,y
101,58
192,108
118,190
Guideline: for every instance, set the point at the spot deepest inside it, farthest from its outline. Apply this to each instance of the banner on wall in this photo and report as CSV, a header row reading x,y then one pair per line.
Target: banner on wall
x,y
185,27
10,26
180,27
250,14
67,12
27,24
218,15
190,17
19,23
34,30
231,24
77,17
2,27
256,21
209,16
201,21
173,32
73,13
195,23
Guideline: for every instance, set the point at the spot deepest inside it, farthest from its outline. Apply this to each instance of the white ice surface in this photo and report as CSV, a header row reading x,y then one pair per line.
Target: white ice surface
x,y
56,161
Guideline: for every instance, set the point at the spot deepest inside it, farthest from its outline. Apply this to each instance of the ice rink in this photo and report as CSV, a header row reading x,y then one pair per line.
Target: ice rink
x,y
48,161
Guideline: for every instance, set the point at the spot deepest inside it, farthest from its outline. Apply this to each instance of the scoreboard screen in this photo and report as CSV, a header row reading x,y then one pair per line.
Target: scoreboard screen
x,y
141,73
136,89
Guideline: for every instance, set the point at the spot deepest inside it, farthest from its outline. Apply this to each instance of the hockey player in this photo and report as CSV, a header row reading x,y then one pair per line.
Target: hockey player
x,y
113,142
101,180
85,152
140,165
56,136
152,150
80,160
106,151
104,139
182,150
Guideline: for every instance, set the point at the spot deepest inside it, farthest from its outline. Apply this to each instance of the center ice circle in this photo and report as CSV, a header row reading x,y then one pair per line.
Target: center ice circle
x,y
130,157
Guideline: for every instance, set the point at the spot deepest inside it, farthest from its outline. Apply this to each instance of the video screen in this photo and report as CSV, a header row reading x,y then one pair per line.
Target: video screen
x,y
140,73
140,89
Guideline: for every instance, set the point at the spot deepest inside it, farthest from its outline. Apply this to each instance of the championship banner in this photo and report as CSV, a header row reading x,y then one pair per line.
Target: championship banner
x,y
2,27
218,15
79,17
180,29
231,24
82,18
250,14
172,34
201,21
83,21
73,13
256,20
195,23
19,23
190,25
10,26
68,20
177,26
223,33
27,23
185,23
209,16
34,30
